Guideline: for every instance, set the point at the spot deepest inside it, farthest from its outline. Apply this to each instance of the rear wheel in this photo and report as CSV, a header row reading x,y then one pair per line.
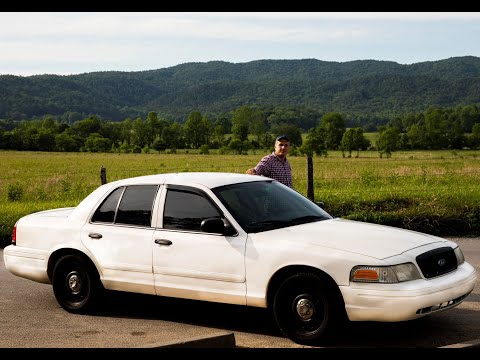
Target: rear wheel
x,y
306,309
76,285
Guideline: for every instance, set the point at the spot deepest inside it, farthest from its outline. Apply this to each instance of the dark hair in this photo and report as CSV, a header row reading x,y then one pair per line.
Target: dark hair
x,y
282,137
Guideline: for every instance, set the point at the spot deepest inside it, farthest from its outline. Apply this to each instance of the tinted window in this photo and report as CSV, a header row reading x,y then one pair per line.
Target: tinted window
x,y
186,210
106,211
267,205
136,205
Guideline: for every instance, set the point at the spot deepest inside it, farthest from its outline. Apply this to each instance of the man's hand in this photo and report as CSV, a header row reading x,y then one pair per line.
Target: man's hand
x,y
251,171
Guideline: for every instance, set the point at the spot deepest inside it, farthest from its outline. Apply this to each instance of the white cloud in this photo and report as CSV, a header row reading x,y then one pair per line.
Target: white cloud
x,y
79,42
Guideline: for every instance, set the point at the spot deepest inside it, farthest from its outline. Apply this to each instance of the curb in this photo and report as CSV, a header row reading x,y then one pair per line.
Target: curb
x,y
219,340
468,344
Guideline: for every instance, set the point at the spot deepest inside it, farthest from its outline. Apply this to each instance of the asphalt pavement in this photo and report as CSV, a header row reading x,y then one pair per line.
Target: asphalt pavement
x,y
31,318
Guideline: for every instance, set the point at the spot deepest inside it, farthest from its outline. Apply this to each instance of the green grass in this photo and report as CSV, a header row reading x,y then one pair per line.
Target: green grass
x,y
432,191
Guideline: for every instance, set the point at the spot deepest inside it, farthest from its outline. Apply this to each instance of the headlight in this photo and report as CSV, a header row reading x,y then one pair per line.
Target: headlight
x,y
384,274
459,255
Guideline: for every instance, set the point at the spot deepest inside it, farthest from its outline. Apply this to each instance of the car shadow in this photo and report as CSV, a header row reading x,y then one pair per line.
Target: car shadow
x,y
193,312
436,330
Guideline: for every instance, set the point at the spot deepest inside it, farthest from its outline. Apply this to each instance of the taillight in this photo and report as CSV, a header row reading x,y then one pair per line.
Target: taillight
x,y
14,235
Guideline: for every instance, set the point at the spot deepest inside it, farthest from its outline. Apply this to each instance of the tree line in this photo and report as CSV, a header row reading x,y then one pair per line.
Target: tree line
x,y
246,128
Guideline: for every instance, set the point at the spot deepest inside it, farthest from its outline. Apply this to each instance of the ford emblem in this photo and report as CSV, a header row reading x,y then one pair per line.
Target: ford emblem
x,y
441,262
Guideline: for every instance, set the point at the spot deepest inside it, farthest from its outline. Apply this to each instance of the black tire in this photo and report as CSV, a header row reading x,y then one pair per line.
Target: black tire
x,y
76,285
305,309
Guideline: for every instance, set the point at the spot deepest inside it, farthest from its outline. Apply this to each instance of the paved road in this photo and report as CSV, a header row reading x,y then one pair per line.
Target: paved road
x,y
31,318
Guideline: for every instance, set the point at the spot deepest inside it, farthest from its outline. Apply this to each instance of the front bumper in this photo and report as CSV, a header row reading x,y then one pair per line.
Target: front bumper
x,y
409,300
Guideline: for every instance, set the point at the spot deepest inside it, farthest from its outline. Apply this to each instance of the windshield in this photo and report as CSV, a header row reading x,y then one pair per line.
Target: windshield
x,y
266,205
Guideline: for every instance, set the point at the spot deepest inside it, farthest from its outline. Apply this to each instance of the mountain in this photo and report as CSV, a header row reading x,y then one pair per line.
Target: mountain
x,y
360,88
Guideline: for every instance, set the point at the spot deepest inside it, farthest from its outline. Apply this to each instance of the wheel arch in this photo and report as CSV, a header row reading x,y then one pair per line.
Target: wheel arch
x,y
57,255
283,273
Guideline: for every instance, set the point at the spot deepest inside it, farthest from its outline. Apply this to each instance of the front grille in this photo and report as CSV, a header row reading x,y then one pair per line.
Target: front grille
x,y
437,262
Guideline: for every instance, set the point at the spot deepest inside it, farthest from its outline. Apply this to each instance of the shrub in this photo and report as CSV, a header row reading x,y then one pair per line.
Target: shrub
x,y
204,149
14,192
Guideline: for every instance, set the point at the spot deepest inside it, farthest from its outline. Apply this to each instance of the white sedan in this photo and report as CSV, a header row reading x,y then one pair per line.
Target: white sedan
x,y
237,239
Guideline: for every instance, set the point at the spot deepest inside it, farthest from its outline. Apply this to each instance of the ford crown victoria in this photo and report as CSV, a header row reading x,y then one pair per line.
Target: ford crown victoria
x,y
237,239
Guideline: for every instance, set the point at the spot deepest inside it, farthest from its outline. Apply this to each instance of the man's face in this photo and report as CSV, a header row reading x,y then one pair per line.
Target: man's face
x,y
281,147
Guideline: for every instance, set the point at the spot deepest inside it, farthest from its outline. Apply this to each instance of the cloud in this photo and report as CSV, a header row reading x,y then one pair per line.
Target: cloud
x,y
95,41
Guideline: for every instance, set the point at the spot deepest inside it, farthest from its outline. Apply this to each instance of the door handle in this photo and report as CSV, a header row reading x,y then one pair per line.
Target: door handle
x,y
95,235
163,242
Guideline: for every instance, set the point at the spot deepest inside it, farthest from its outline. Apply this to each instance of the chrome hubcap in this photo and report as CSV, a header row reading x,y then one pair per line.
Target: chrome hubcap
x,y
74,283
305,309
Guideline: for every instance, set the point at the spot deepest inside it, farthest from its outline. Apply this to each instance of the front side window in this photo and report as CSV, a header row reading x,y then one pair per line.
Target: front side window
x,y
134,208
185,210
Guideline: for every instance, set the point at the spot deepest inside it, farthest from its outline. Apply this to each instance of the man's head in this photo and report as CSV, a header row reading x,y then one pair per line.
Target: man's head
x,y
282,145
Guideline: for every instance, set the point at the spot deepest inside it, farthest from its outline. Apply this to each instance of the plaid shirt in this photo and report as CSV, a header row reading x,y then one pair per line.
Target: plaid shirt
x,y
273,167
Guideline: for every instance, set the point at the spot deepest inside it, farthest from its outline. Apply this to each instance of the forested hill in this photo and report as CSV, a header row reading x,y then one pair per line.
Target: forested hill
x,y
362,88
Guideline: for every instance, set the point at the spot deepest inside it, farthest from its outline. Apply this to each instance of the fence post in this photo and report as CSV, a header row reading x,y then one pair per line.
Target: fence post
x,y
103,175
310,192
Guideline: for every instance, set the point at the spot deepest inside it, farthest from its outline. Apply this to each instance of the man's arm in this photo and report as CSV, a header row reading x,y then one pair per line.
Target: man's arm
x,y
262,168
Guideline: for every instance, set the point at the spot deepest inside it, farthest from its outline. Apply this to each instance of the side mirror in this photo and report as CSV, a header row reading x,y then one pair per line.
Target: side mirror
x,y
217,226
320,204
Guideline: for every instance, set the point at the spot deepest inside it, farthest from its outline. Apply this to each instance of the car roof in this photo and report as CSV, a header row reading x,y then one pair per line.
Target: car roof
x,y
207,179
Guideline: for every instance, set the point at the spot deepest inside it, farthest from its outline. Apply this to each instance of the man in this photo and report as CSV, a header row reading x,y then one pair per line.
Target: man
x,y
276,165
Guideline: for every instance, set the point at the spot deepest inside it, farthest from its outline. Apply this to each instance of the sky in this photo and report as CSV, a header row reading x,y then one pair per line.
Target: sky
x,y
65,43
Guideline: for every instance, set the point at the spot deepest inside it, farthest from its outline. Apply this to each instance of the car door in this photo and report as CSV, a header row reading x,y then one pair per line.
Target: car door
x,y
119,235
189,263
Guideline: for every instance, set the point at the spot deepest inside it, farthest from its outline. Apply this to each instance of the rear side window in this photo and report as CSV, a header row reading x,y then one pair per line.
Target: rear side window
x,y
106,211
131,205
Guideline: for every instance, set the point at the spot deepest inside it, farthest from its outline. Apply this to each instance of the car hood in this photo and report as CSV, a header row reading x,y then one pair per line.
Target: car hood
x,y
378,241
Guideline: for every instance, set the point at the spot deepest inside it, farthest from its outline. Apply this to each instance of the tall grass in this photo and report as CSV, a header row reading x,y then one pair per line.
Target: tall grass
x,y
436,192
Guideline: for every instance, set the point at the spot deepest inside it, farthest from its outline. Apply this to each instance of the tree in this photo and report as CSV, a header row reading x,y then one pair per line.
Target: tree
x,y
314,143
241,120
388,141
353,139
468,116
65,142
205,129
474,139
218,136
238,146
159,144
416,137
436,128
85,127
140,133
46,140
258,125
333,126
97,143
154,127
172,136
194,130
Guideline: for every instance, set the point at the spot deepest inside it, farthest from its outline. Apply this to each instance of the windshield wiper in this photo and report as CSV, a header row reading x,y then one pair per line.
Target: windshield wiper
x,y
306,219
276,224
270,223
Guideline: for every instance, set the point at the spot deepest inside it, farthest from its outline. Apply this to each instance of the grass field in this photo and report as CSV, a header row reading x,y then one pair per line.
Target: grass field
x,y
436,192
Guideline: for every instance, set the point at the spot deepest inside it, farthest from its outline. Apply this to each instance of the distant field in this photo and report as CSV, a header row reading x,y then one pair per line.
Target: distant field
x,y
417,190
372,136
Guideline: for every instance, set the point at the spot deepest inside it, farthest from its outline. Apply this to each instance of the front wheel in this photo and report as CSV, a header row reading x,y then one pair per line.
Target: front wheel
x,y
76,285
305,309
